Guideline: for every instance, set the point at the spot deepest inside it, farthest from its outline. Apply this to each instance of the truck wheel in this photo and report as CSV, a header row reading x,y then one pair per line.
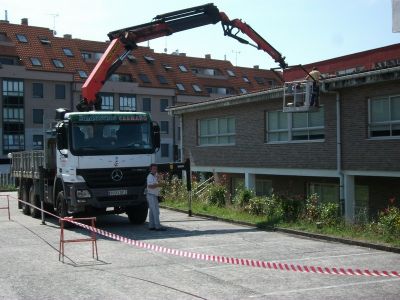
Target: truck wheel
x,y
137,214
25,197
33,199
62,210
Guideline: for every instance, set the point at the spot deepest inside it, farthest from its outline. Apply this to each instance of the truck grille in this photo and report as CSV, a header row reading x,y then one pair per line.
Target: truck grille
x,y
98,178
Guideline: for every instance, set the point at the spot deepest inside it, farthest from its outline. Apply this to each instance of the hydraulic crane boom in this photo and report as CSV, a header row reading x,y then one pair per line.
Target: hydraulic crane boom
x,y
123,41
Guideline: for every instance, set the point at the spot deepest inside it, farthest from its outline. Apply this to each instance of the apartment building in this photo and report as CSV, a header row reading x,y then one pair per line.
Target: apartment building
x,y
40,72
347,151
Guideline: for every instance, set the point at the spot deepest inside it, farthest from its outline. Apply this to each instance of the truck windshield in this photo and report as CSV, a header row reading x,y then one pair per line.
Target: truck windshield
x,y
103,138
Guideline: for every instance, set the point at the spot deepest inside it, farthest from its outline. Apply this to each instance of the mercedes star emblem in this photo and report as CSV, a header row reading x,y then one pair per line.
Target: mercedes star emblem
x,y
116,175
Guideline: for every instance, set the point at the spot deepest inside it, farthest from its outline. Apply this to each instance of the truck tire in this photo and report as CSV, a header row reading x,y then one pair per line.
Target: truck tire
x,y
34,200
62,209
25,197
137,214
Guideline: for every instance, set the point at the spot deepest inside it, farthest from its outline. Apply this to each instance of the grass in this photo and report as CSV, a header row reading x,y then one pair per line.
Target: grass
x,y
363,233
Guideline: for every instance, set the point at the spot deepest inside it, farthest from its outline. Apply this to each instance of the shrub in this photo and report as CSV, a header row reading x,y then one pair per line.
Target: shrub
x,y
242,196
256,205
329,213
273,208
389,221
216,195
291,208
311,211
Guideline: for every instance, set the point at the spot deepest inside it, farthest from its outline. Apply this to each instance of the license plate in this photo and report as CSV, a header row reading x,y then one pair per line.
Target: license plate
x,y
117,192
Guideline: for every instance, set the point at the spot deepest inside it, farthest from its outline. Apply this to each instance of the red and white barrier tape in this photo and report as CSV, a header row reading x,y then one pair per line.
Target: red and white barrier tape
x,y
232,260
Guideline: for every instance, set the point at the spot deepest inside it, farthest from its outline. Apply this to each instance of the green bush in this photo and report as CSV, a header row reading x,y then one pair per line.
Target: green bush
x,y
311,212
216,195
389,221
329,213
291,208
256,206
242,196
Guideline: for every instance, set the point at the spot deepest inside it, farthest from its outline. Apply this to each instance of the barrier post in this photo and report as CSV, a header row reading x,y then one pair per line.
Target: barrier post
x,y
92,238
7,207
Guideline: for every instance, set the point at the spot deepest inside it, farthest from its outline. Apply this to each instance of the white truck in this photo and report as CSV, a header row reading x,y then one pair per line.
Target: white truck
x,y
92,163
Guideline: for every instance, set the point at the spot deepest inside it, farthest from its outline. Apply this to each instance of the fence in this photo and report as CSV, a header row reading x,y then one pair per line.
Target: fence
x,y
6,180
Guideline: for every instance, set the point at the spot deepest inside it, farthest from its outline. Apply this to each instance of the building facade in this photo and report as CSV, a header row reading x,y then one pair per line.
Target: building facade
x,y
347,151
40,72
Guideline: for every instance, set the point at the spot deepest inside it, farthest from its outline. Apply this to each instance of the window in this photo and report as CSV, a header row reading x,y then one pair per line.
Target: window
x,y
246,79
11,115
144,78
384,117
149,59
7,60
164,150
243,90
86,55
37,142
196,88
131,58
127,103
162,79
164,126
180,86
183,68
230,73
36,62
68,52
284,127
147,104
22,38
107,102
37,90
58,63
163,104
60,91
3,37
325,191
13,142
120,78
263,187
13,88
217,131
97,55
219,90
82,74
259,80
167,67
37,116
44,40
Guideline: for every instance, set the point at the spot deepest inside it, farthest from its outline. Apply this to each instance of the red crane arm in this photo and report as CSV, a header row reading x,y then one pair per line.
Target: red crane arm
x,y
123,41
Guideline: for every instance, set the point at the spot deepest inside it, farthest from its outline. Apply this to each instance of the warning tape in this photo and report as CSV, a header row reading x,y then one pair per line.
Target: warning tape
x,y
231,260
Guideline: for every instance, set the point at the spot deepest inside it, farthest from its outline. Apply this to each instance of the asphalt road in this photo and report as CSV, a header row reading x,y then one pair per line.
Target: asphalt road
x,y
30,269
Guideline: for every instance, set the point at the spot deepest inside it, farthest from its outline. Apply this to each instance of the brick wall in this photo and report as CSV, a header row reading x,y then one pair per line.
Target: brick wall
x,y
251,150
360,152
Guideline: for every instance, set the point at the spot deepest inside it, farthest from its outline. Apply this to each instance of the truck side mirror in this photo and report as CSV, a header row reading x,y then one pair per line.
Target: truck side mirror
x,y
61,136
156,135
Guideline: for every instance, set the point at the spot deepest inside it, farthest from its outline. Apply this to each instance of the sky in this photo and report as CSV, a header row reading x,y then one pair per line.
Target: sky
x,y
304,31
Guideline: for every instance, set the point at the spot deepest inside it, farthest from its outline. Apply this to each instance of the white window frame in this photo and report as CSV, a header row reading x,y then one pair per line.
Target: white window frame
x,y
391,124
289,130
107,102
127,103
218,135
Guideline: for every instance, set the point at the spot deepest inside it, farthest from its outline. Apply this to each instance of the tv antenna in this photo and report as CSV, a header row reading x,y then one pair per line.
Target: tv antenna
x,y
54,22
236,55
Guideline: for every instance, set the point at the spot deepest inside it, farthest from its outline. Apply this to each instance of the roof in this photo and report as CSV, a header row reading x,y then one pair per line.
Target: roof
x,y
162,70
331,84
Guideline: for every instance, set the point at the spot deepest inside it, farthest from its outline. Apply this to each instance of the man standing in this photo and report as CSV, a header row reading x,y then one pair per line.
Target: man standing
x,y
153,191
314,76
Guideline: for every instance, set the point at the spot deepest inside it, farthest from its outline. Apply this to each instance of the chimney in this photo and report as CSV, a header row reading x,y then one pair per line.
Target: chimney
x,y
68,36
182,54
207,56
256,67
4,22
24,21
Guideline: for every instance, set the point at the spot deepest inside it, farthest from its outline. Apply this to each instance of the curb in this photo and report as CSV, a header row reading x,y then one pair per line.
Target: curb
x,y
296,232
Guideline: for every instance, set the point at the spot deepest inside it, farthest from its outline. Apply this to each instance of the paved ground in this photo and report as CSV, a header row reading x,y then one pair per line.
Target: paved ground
x,y
29,266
